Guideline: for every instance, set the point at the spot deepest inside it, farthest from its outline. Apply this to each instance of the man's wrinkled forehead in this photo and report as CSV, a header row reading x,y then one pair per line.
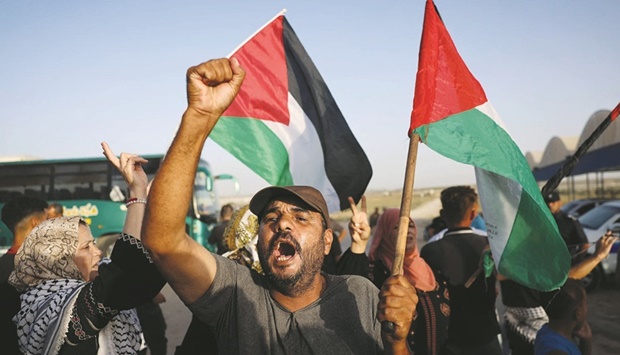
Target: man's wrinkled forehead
x,y
298,204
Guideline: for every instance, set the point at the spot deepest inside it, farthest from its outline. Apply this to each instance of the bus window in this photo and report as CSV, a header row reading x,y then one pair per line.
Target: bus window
x,y
206,203
116,194
94,190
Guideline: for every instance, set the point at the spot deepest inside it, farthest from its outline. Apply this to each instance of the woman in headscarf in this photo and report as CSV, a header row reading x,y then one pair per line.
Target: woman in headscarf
x,y
428,333
72,302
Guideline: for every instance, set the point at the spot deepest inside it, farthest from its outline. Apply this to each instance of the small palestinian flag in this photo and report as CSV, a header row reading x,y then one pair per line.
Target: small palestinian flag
x,y
453,117
285,124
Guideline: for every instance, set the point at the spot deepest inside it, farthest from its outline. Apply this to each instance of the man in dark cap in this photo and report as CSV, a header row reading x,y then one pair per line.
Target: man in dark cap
x,y
570,228
293,308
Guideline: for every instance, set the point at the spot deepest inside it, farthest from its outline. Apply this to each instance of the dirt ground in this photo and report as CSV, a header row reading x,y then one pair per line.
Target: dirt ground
x,y
604,318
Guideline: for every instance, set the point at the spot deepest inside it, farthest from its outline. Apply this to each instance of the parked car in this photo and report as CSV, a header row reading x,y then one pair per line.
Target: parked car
x,y
577,208
595,223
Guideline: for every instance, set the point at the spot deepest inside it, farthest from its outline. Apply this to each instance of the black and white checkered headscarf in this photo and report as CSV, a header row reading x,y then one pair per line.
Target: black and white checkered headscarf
x,y
43,321
46,271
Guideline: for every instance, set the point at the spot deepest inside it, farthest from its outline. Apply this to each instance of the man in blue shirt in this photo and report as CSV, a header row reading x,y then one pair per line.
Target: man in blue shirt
x,y
567,313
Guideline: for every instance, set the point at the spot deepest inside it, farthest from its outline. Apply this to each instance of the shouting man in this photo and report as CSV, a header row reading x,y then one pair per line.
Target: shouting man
x,y
293,308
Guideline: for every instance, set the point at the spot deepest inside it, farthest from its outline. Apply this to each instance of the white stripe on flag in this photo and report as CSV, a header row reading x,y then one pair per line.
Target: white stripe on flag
x,y
502,196
306,161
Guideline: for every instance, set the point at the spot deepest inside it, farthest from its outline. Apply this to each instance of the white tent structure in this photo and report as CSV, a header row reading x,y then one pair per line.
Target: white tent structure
x,y
611,135
558,149
603,155
533,158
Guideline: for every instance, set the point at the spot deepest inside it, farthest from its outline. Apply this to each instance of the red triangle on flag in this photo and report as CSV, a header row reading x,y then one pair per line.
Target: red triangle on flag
x,y
264,93
444,85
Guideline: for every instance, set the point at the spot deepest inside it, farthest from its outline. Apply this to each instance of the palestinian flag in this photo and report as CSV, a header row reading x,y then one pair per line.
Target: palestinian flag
x,y
452,116
285,125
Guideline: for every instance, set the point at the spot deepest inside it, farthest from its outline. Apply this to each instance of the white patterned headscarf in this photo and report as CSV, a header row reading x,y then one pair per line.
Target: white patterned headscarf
x,y
47,254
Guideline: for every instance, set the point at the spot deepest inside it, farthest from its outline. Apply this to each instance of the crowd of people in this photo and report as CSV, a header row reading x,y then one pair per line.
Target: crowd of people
x,y
279,282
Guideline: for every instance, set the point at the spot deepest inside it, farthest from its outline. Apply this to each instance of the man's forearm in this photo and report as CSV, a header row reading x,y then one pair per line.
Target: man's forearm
x,y
172,188
582,269
186,265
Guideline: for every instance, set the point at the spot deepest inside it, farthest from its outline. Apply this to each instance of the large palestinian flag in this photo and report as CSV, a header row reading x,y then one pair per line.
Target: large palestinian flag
x,y
286,126
452,116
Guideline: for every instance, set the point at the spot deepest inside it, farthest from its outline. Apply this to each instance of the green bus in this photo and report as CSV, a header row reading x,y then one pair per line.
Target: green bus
x,y
93,189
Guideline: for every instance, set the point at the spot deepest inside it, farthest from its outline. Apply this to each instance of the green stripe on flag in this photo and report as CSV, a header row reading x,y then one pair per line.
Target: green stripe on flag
x,y
531,246
471,137
255,145
534,254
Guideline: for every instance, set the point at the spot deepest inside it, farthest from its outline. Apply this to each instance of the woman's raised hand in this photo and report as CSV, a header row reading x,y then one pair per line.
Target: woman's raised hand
x,y
130,167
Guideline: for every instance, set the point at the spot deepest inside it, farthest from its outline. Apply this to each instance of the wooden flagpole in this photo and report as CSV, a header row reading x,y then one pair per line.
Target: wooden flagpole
x,y
405,206
405,210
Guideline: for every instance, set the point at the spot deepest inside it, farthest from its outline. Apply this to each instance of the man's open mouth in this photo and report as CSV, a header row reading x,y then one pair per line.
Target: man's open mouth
x,y
284,250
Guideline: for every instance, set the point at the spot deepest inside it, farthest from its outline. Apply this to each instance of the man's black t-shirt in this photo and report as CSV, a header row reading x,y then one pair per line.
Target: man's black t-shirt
x,y
572,233
455,258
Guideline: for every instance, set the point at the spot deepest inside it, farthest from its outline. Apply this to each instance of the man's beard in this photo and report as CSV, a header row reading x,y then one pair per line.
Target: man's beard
x,y
311,262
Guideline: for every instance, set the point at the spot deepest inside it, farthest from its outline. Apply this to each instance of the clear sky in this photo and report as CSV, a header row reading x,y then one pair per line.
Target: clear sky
x,y
74,73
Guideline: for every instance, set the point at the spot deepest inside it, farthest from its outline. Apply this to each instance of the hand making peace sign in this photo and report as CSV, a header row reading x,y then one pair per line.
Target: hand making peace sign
x,y
359,227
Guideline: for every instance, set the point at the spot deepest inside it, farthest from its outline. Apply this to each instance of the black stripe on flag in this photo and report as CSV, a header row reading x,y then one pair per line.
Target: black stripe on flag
x,y
346,164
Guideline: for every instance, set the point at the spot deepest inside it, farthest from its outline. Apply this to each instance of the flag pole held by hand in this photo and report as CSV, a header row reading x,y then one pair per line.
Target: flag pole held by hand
x,y
403,222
